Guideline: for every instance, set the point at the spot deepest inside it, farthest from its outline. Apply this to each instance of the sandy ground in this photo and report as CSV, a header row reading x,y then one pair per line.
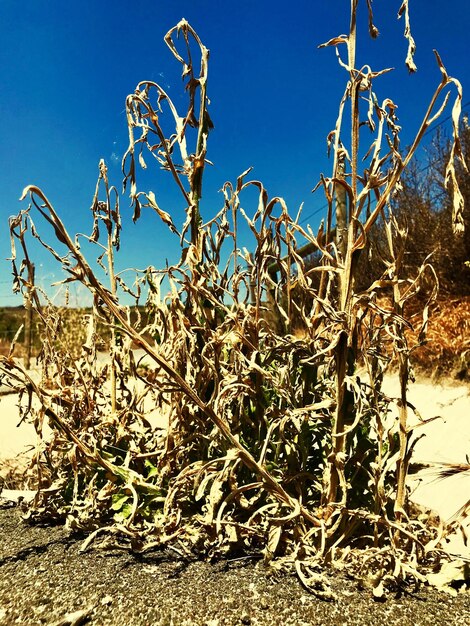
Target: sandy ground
x,y
444,440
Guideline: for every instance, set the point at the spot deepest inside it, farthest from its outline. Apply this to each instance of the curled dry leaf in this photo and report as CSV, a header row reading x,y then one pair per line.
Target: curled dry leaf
x,y
409,61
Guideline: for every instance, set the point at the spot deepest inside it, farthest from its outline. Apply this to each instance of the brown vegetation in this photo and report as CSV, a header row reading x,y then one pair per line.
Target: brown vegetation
x,y
446,351
272,442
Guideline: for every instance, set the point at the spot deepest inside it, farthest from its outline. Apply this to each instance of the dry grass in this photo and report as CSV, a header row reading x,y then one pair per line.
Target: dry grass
x,y
442,351
18,473
447,347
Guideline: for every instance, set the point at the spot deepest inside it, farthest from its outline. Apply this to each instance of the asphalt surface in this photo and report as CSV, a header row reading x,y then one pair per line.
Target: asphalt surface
x,y
46,580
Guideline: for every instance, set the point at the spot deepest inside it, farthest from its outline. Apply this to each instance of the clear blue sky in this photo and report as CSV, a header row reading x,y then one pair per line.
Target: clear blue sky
x,y
66,68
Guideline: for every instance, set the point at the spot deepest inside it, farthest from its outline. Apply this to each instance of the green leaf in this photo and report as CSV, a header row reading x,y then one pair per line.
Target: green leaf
x,y
118,501
152,469
124,514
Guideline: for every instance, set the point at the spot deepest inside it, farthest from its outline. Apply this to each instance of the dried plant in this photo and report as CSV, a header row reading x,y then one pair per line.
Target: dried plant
x,y
257,421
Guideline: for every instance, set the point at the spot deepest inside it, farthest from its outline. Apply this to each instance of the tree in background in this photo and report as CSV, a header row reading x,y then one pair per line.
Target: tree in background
x,y
423,211
452,252
422,208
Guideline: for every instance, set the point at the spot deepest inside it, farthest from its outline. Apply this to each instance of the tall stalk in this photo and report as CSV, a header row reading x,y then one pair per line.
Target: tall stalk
x,y
380,185
103,211
343,358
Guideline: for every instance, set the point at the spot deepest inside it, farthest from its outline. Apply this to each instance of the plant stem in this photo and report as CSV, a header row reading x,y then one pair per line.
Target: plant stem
x,y
343,348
